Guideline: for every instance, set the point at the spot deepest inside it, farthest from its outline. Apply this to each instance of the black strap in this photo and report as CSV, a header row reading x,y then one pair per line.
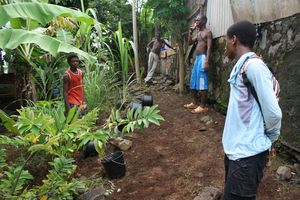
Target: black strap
x,y
249,85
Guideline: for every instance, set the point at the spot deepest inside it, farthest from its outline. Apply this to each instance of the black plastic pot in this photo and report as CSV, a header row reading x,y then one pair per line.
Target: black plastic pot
x,y
147,100
89,150
121,126
114,165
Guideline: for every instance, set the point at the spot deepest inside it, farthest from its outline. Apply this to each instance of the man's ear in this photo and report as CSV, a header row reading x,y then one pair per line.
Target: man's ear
x,y
234,39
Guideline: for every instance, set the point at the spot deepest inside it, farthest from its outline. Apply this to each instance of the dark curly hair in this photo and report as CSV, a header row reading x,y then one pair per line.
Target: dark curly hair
x,y
71,55
245,31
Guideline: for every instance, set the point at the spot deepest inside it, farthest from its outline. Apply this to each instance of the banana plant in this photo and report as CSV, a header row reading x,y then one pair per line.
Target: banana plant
x,y
40,12
14,38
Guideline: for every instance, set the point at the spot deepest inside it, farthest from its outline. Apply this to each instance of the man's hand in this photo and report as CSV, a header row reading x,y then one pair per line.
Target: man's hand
x,y
206,66
83,106
193,26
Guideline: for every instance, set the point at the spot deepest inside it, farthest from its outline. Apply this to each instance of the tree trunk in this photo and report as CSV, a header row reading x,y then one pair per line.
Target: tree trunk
x,y
135,41
26,90
181,69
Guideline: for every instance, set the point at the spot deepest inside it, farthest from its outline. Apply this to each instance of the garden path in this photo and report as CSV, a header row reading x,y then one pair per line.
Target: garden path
x,y
183,155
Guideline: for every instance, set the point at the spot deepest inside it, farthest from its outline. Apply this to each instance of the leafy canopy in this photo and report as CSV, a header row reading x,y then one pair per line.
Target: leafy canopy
x,y
170,14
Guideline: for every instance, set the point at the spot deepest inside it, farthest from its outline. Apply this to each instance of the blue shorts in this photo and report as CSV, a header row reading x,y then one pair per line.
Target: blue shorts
x,y
199,77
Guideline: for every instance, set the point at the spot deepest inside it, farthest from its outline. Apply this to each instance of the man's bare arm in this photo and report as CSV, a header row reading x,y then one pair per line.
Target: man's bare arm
x,y
192,39
150,44
168,45
209,44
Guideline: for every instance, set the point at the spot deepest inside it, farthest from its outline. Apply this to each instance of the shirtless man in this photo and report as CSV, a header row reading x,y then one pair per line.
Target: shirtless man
x,y
157,43
199,77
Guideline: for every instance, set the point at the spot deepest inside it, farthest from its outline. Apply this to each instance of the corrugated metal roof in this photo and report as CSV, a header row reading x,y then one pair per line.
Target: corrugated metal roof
x,y
219,17
258,11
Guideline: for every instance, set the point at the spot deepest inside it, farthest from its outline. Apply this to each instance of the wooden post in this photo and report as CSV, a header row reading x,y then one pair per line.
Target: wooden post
x,y
181,68
135,41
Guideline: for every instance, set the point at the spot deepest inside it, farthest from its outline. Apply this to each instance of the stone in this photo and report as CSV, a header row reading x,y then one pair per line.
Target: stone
x,y
169,82
263,41
202,129
273,49
209,193
95,194
283,173
297,38
289,36
205,119
278,26
209,122
286,25
176,88
80,190
297,168
125,144
162,81
276,37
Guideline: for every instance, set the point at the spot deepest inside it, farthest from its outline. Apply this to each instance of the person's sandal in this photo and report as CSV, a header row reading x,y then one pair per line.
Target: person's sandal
x,y
190,106
199,110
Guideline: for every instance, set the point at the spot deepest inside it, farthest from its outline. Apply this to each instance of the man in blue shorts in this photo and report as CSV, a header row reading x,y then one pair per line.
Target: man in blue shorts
x,y
199,77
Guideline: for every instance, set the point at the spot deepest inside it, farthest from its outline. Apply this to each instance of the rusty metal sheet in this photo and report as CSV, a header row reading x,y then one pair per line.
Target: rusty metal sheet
x,y
219,17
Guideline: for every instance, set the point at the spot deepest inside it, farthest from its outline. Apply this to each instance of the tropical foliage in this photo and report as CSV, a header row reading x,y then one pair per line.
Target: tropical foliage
x,y
36,35
44,128
175,23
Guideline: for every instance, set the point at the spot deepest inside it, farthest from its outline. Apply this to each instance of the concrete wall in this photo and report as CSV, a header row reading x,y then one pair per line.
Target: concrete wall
x,y
258,11
280,48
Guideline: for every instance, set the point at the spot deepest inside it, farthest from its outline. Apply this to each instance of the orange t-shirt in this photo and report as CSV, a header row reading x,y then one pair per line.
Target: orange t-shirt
x,y
75,92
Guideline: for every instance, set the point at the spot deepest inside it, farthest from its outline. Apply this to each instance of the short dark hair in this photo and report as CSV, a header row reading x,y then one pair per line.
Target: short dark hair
x,y
72,55
204,18
245,31
158,34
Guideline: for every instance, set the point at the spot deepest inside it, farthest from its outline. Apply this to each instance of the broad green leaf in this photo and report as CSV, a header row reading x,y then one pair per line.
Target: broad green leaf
x,y
146,123
64,36
12,38
41,12
157,117
38,147
17,23
154,121
8,123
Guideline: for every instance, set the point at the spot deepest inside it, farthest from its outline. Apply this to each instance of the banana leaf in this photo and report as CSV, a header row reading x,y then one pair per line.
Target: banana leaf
x,y
64,36
41,12
12,38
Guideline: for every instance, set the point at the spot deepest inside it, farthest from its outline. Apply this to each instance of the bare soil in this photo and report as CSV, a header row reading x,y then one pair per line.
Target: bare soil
x,y
175,160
